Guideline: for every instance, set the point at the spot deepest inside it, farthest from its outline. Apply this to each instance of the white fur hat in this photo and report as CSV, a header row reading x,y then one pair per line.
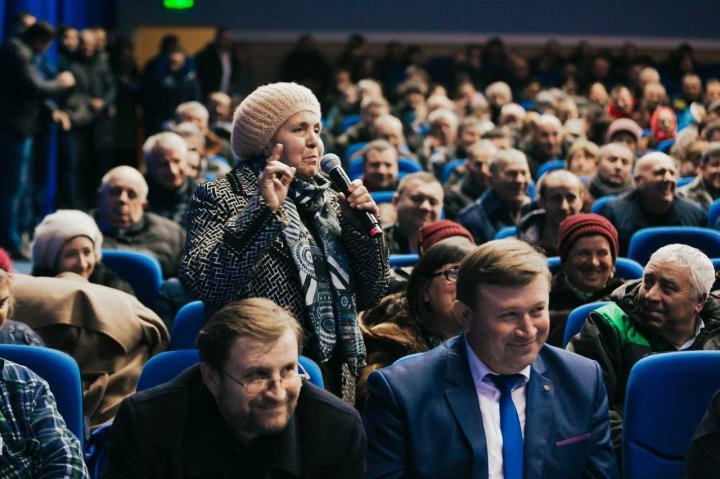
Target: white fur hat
x,y
58,228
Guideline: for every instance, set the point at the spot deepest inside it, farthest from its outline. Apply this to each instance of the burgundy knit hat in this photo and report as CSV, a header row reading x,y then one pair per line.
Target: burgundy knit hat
x,y
576,226
431,233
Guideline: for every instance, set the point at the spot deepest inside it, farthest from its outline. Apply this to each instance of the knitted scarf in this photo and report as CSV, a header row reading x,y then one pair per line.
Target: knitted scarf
x,y
325,275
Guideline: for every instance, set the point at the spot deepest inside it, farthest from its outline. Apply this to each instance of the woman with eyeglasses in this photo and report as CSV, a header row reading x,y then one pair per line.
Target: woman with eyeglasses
x,y
419,318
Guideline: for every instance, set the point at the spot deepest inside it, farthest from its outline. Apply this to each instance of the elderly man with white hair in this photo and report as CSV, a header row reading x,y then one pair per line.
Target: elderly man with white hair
x,y
121,216
652,201
669,309
171,188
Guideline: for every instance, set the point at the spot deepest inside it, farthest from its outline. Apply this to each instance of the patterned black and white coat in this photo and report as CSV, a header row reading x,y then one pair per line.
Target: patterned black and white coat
x,y
235,249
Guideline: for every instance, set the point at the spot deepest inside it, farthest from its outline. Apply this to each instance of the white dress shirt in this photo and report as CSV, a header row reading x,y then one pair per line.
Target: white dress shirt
x,y
489,400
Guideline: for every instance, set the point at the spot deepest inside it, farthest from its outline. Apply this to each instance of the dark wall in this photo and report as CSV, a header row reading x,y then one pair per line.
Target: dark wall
x,y
642,18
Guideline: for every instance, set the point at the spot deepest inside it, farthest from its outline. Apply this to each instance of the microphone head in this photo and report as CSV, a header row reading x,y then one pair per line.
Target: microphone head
x,y
329,162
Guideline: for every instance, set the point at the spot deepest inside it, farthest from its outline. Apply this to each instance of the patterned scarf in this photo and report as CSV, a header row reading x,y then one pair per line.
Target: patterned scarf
x,y
324,272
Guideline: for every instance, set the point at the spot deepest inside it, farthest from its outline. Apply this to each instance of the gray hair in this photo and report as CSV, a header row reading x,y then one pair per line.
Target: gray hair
x,y
608,148
189,129
503,157
702,272
482,147
165,140
443,113
499,87
192,107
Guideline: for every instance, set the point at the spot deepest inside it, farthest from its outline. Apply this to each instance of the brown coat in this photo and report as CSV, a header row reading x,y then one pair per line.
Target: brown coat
x,y
109,333
390,333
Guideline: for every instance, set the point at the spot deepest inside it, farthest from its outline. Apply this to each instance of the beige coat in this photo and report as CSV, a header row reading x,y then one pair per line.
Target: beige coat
x,y
109,333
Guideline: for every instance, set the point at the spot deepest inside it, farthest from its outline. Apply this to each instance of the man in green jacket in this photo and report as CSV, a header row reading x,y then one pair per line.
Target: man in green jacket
x,y
670,309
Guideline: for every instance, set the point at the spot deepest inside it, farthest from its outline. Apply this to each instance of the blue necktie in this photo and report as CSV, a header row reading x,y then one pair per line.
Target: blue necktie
x,y
512,450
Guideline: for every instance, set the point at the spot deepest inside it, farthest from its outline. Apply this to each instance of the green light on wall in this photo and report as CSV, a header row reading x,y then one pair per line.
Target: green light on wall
x,y
178,4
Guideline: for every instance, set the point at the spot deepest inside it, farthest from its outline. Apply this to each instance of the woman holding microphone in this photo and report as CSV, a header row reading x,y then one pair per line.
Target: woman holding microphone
x,y
274,228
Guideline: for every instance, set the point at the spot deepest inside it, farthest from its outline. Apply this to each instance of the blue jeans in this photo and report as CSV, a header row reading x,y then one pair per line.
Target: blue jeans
x,y
15,161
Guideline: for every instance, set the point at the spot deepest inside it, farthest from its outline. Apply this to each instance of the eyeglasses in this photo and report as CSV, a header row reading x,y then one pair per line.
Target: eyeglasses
x,y
450,274
288,380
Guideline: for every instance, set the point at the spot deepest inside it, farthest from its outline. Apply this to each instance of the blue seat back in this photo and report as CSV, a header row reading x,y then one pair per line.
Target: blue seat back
x,y
62,374
645,242
349,121
667,395
449,168
548,166
576,319
186,326
382,196
141,270
165,366
600,203
506,232
401,260
714,214
684,180
407,166
355,169
352,149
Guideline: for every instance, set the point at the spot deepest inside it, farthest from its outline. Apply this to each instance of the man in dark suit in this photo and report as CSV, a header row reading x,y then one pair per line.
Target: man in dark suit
x,y
447,413
243,412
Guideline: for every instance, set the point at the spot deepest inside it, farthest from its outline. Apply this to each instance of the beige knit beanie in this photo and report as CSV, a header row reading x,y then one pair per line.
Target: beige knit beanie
x,y
58,228
265,110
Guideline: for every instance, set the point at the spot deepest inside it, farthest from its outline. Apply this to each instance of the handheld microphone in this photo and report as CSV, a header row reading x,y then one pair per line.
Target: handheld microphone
x,y
331,166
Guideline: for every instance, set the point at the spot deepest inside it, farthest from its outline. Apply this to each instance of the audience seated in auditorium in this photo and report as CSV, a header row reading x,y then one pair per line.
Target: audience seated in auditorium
x,y
195,112
705,189
439,146
201,166
626,132
506,199
545,143
418,318
371,108
390,129
245,407
418,201
652,202
582,158
614,171
380,166
588,248
170,187
470,180
69,240
461,392
12,332
36,441
670,309
121,216
109,333
560,194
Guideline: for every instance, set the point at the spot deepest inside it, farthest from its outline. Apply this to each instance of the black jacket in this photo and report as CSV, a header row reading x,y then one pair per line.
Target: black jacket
x,y
176,431
22,88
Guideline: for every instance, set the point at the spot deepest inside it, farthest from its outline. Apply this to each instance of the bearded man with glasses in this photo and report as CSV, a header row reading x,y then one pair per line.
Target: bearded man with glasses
x,y
244,411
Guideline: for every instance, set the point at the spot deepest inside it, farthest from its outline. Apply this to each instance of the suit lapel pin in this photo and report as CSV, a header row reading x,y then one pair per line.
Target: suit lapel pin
x,y
546,388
